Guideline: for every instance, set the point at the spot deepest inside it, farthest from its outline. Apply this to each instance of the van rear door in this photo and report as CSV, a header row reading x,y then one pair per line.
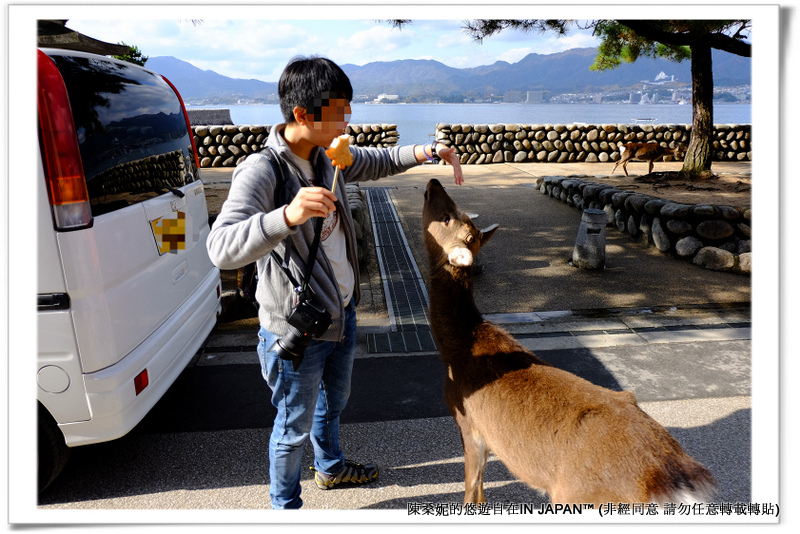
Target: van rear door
x,y
144,254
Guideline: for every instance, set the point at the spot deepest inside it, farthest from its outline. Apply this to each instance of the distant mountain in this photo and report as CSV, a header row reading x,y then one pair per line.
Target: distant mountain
x,y
408,77
564,72
197,83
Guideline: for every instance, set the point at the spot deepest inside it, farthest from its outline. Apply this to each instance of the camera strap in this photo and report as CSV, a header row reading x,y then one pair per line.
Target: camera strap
x,y
312,257
280,188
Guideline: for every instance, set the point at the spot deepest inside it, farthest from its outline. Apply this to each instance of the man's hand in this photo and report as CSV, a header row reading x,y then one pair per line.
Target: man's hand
x,y
309,202
449,155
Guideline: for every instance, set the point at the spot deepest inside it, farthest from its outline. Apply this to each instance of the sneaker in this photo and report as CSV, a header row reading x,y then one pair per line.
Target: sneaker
x,y
353,473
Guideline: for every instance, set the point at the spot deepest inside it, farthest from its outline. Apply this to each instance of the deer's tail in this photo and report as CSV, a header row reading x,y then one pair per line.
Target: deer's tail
x,y
689,482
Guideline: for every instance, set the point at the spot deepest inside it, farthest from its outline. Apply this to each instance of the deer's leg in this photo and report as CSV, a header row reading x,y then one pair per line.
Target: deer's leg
x,y
625,167
649,166
475,456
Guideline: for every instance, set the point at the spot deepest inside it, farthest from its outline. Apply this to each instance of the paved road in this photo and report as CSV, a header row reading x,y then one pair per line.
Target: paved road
x,y
686,355
204,444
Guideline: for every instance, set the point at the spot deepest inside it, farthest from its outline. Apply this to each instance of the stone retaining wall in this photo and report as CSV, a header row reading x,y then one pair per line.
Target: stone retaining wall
x,y
227,145
711,236
565,143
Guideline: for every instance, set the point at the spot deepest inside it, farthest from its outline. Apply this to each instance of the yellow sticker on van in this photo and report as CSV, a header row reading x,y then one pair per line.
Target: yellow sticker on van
x,y
170,233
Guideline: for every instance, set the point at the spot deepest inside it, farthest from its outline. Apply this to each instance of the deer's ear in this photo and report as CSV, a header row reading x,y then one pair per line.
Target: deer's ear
x,y
487,233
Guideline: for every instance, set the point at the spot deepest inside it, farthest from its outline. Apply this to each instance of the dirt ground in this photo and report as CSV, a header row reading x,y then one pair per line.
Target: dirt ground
x,y
731,186
724,188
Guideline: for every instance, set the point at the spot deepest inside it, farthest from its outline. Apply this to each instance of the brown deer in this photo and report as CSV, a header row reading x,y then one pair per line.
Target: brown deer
x,y
555,431
648,152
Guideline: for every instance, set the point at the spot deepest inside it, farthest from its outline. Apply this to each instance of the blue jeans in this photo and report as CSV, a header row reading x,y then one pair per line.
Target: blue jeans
x,y
309,401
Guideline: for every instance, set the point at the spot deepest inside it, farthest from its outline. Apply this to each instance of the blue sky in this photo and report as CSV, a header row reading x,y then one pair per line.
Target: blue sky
x,y
260,47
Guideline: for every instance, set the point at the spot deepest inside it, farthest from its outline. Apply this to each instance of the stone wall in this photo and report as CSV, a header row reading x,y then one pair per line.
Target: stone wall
x,y
227,145
564,143
711,236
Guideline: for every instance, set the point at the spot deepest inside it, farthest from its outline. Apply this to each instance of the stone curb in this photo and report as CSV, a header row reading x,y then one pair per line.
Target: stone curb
x,y
710,236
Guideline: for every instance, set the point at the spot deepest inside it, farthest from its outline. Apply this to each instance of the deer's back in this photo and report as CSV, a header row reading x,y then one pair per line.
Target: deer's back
x,y
542,422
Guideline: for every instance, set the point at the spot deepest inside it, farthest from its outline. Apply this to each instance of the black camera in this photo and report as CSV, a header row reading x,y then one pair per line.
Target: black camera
x,y
306,322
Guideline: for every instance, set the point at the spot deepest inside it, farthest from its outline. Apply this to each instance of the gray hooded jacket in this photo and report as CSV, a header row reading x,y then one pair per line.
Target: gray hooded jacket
x,y
250,226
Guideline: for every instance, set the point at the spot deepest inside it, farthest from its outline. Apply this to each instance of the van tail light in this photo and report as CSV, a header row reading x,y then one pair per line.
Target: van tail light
x,y
188,123
61,157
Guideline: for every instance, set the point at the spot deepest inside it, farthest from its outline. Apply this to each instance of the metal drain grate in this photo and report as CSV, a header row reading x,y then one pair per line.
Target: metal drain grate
x,y
404,289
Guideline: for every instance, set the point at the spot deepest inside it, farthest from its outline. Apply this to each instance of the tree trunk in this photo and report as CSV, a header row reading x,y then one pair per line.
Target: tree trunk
x,y
698,156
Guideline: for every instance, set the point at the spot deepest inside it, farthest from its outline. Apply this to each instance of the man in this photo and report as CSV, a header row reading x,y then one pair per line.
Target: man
x,y
256,220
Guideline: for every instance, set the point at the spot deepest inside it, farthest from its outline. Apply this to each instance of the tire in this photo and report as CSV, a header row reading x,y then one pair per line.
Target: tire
x,y
52,449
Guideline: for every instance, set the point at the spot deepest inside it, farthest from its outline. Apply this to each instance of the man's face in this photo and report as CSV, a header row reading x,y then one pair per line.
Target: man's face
x,y
333,117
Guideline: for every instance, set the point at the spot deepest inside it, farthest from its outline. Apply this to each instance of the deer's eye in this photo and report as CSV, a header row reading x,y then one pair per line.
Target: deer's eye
x,y
446,219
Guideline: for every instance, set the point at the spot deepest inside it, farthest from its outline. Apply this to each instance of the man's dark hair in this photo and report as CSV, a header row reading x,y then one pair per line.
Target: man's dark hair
x,y
311,82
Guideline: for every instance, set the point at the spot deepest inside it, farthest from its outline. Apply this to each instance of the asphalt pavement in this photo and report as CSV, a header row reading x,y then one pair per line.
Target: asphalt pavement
x,y
677,335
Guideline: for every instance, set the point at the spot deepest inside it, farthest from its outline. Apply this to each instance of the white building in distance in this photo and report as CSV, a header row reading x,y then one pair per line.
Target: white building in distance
x,y
386,98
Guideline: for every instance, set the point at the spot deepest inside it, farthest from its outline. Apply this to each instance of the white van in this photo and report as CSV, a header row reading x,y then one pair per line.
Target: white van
x,y
126,291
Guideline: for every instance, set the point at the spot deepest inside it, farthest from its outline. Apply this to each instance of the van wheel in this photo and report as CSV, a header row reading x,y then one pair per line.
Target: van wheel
x,y
53,451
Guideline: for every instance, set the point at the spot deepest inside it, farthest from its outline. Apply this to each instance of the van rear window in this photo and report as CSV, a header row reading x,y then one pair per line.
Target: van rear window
x,y
131,130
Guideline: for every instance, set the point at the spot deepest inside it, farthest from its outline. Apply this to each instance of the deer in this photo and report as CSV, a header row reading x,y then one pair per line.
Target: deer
x,y
558,433
648,152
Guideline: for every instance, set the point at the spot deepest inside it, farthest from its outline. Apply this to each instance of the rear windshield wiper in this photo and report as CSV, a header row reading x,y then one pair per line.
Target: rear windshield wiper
x,y
177,192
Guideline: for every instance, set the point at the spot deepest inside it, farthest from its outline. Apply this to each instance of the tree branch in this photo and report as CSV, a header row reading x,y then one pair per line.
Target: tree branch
x,y
730,44
718,40
648,30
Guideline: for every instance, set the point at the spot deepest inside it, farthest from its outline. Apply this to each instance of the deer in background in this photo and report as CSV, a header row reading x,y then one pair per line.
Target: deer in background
x,y
555,431
648,152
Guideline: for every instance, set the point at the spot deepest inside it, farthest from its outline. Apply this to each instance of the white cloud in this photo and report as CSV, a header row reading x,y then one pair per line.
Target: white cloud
x,y
260,47
240,40
373,44
575,39
516,54
581,40
236,48
458,62
454,39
